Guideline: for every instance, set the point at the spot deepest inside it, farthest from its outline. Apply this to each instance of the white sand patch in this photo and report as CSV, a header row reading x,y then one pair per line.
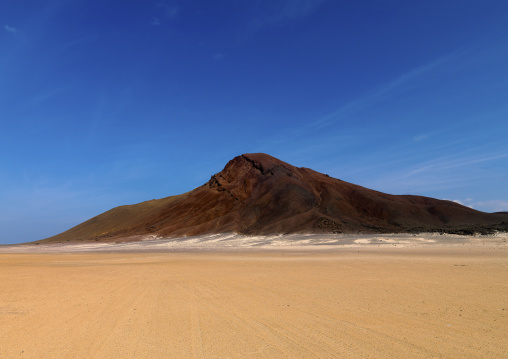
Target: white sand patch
x,y
363,241
297,241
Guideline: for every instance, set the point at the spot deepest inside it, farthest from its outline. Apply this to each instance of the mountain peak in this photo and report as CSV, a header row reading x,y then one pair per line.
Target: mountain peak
x,y
262,162
263,159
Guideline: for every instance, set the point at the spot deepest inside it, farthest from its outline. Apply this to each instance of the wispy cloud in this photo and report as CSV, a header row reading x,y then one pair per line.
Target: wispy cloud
x,y
275,12
421,137
218,56
12,30
453,162
467,202
168,11
387,91
402,82
294,9
46,95
165,12
497,205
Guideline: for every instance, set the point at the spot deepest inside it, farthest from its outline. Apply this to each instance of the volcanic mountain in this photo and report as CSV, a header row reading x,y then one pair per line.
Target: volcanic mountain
x,y
259,194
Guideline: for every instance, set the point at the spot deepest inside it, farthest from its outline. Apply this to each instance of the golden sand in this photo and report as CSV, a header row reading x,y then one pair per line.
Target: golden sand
x,y
343,303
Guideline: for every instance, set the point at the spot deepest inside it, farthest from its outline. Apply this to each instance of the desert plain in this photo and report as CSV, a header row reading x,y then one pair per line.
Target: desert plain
x,y
385,296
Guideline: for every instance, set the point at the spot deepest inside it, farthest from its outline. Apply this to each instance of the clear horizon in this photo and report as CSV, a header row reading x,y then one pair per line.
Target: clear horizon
x,y
107,103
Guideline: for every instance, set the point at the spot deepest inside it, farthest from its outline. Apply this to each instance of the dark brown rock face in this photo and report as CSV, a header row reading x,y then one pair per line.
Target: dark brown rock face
x,y
259,194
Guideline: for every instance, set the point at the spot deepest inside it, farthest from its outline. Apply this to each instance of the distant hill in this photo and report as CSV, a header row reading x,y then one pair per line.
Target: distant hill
x,y
259,194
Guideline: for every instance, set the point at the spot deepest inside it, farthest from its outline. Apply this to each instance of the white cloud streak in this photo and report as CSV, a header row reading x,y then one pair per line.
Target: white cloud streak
x,y
466,202
497,205
218,56
421,137
294,9
168,11
165,12
450,163
11,29
276,12
400,83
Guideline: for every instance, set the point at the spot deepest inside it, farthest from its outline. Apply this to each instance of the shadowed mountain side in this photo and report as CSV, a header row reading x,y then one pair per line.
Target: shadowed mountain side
x,y
259,194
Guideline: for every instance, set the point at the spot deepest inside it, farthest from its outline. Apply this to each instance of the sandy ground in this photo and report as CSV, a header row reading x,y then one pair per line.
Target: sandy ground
x,y
361,299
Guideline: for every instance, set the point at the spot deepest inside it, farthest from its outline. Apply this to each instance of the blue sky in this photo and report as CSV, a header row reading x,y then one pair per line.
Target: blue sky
x,y
105,103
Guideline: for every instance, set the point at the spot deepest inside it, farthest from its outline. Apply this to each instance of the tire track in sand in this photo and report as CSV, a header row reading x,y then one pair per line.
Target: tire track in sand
x,y
196,333
275,336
